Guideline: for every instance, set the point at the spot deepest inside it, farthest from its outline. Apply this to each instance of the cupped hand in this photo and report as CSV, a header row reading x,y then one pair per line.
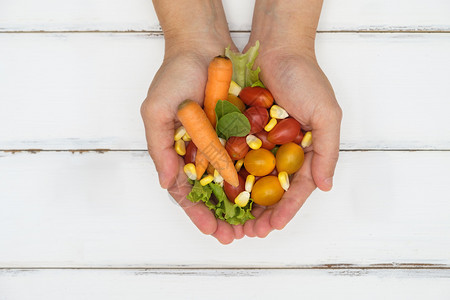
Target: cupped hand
x,y
182,76
299,86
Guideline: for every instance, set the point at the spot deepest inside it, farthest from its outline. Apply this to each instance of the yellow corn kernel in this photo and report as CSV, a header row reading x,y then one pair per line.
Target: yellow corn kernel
x,y
270,125
283,177
186,137
253,142
180,147
307,139
278,112
234,89
179,132
217,177
207,179
222,141
249,183
242,199
239,164
189,170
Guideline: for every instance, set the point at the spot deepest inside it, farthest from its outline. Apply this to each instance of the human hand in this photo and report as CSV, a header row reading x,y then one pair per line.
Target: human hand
x,y
289,69
183,75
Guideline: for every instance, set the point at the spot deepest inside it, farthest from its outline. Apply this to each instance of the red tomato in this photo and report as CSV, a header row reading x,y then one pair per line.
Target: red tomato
x,y
231,191
284,132
299,137
237,147
191,152
262,135
258,118
256,96
244,173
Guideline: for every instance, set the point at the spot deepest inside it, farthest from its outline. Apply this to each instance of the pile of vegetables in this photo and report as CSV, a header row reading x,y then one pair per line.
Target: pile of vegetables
x,y
241,148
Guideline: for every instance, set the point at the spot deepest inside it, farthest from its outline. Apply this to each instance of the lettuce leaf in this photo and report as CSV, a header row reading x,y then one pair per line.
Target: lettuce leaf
x,y
243,73
223,209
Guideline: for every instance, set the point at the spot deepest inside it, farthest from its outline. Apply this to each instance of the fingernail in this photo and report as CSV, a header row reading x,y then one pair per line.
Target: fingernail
x,y
329,182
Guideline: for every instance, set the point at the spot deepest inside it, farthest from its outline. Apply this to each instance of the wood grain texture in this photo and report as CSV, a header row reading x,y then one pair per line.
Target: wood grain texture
x,y
90,209
138,15
221,284
83,91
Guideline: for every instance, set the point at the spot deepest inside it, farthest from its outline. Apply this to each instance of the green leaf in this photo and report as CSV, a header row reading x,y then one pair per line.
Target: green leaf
x,y
199,192
243,73
224,107
233,124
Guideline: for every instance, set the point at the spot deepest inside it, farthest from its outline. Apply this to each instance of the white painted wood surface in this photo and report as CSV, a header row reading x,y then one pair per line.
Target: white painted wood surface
x,y
393,89
138,15
224,284
103,210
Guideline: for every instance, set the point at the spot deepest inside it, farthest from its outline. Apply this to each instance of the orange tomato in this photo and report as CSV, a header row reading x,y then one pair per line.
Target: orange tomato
x,y
290,158
236,101
259,162
267,191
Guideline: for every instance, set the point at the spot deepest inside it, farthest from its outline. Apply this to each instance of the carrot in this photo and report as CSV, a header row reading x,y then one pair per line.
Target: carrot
x,y
205,138
220,71
201,164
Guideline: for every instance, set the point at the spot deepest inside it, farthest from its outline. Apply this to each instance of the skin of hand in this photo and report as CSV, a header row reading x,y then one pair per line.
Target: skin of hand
x,y
190,44
289,69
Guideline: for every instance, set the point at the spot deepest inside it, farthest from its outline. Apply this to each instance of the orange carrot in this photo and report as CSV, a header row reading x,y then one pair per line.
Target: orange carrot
x,y
220,71
201,164
205,138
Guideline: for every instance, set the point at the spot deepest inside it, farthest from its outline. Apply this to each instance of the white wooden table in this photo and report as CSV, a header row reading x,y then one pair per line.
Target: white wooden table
x,y
82,215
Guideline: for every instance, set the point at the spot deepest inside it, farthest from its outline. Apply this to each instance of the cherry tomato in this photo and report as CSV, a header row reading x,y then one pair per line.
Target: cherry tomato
x,y
256,96
267,191
258,118
262,135
231,191
285,131
191,152
290,158
236,101
259,162
299,137
237,147
244,173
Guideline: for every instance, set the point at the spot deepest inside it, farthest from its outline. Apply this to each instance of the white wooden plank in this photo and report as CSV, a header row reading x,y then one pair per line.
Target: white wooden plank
x,y
74,91
138,15
59,209
224,284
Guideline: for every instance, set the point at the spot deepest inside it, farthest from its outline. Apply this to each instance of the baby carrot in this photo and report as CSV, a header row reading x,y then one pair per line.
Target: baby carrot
x,y
220,71
205,138
201,164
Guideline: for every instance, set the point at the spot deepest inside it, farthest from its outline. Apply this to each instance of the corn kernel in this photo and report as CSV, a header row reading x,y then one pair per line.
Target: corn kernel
x,y
239,164
189,170
242,199
180,147
278,112
222,141
307,139
249,183
186,137
283,177
270,125
234,89
253,142
207,179
179,132
217,177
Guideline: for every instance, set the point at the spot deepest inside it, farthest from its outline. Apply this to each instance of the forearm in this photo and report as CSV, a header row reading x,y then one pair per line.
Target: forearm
x,y
187,24
286,23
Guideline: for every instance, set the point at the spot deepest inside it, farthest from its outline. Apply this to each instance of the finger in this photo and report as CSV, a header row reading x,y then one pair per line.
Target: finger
x,y
262,225
199,214
325,133
301,187
238,232
249,225
224,233
159,131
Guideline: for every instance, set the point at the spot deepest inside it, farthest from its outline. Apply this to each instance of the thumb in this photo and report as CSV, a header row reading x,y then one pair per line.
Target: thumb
x,y
159,131
326,136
